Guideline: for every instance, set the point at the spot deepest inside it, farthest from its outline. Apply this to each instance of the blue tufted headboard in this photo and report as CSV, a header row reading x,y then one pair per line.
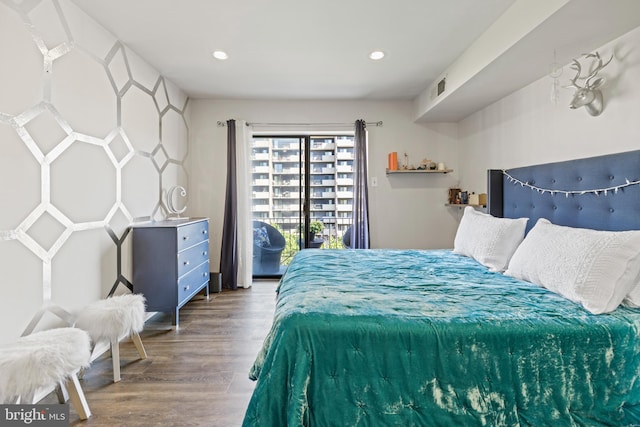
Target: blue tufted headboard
x,y
555,191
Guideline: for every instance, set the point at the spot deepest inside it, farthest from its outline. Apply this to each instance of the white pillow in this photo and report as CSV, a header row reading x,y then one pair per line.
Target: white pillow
x,y
594,268
489,240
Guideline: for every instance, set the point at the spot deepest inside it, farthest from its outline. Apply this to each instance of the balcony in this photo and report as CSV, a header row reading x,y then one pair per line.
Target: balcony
x,y
260,169
330,238
261,143
345,181
344,155
344,142
260,156
344,168
323,146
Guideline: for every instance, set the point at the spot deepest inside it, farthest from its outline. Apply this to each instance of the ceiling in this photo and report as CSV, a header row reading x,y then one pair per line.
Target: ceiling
x,y
318,50
293,49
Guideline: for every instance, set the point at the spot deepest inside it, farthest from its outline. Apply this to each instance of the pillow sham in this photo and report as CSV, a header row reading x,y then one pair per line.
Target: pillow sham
x,y
594,268
489,240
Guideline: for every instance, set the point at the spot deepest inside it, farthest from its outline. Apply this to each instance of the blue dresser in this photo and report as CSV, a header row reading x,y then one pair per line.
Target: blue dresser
x,y
171,263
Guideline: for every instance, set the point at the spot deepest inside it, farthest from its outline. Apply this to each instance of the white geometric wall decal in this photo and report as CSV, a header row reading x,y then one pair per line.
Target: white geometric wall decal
x,y
48,23
140,186
173,133
160,157
119,146
85,183
46,231
47,128
160,95
118,68
89,140
140,119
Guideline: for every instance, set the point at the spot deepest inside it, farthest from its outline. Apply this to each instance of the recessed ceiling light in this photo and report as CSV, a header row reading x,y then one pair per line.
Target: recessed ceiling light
x,y
220,54
376,55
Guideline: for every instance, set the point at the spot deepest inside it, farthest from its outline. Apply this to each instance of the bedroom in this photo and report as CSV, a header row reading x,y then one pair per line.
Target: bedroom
x,y
521,128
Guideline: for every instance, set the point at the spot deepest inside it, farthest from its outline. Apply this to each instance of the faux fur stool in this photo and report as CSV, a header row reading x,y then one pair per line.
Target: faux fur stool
x,y
111,320
45,359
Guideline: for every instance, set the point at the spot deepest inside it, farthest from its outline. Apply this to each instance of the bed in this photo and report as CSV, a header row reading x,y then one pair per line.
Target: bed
x,y
436,338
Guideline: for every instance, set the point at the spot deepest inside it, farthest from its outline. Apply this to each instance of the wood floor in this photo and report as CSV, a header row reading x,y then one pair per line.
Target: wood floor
x,y
194,376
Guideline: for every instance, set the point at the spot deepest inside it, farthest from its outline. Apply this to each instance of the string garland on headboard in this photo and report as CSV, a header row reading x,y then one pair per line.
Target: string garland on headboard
x,y
597,191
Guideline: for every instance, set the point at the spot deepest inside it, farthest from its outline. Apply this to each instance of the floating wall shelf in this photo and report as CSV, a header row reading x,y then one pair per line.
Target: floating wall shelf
x,y
460,205
389,172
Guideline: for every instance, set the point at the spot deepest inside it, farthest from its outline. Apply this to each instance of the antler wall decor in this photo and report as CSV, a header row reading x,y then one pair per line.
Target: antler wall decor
x,y
588,96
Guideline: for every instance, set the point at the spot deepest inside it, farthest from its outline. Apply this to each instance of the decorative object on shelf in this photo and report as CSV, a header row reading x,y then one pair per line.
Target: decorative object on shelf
x,y
405,162
454,196
555,71
588,96
460,198
597,191
442,166
425,164
464,197
474,199
417,171
170,206
393,161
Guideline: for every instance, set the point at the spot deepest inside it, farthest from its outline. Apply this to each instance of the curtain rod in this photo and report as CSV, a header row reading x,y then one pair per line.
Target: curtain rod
x,y
378,124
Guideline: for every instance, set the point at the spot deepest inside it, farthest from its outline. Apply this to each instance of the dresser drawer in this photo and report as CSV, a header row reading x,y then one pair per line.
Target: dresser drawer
x,y
191,282
192,234
192,257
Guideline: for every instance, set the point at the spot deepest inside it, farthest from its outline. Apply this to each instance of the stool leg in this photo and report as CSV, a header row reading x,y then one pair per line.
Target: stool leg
x,y
76,396
62,393
115,360
135,337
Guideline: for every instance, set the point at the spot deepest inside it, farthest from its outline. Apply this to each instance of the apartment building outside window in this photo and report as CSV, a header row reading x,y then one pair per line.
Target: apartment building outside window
x,y
298,179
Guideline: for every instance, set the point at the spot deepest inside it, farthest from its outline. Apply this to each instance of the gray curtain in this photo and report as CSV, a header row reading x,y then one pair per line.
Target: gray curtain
x,y
229,249
360,227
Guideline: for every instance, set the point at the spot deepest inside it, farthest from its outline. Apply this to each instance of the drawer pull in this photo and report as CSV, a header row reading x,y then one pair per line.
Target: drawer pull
x,y
204,253
186,288
185,238
204,274
186,263
204,231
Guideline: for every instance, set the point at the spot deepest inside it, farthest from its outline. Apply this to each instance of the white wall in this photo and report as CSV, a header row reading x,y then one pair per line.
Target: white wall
x,y
90,136
525,128
405,211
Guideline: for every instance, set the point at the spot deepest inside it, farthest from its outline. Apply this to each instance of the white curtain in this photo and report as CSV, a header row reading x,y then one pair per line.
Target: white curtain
x,y
244,221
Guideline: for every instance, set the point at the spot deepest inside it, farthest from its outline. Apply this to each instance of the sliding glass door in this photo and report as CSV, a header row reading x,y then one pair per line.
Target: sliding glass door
x,y
302,196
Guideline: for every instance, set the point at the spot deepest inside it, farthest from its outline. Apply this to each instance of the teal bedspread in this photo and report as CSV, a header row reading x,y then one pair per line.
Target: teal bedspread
x,y
431,338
